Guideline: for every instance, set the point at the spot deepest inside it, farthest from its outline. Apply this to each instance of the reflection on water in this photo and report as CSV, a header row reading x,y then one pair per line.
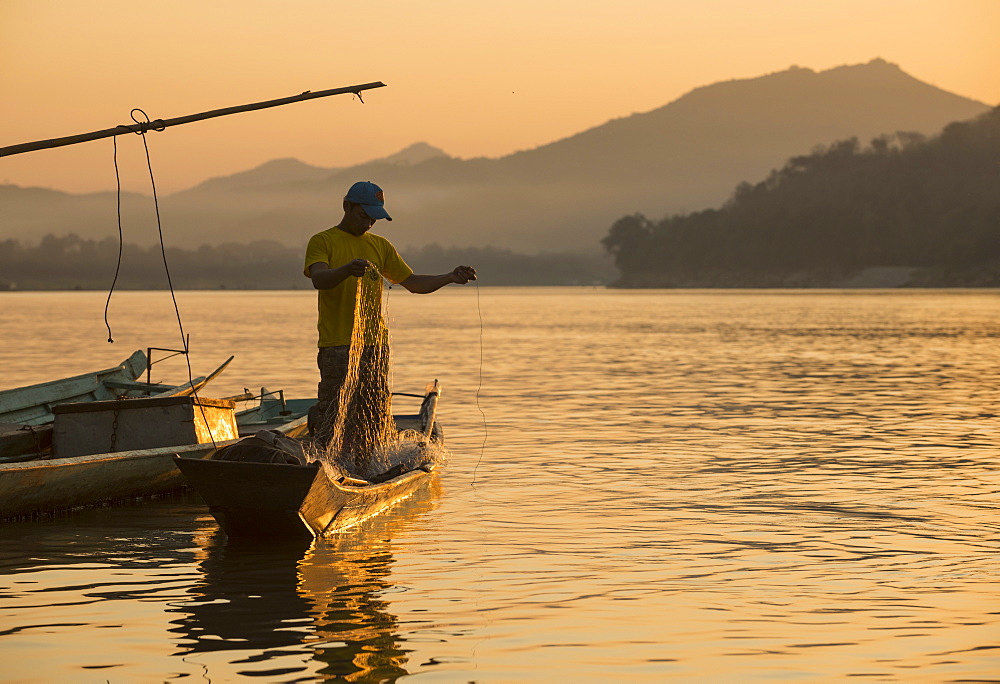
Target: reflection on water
x,y
246,599
268,605
346,583
697,485
156,591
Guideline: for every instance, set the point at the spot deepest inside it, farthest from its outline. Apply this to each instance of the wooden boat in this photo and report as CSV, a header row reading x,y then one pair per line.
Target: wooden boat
x,y
47,485
26,413
82,444
285,501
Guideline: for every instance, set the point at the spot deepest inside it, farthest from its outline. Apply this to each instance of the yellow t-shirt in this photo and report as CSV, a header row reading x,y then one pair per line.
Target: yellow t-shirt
x,y
335,248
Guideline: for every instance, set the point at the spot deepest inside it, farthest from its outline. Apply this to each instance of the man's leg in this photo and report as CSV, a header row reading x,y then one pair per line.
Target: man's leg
x,y
332,362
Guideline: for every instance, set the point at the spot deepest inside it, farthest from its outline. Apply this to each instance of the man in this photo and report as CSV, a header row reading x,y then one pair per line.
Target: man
x,y
335,261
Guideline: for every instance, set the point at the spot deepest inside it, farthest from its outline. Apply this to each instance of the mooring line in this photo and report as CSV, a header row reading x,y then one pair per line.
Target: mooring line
x,y
118,195
185,340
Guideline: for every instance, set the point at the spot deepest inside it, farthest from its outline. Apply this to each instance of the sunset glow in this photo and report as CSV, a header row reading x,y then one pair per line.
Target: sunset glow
x,y
472,79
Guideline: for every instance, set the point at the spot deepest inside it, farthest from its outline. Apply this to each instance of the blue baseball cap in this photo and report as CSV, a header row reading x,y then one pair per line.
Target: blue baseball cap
x,y
370,197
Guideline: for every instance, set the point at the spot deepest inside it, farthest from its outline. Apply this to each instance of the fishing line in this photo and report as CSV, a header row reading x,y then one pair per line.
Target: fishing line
x,y
479,388
484,531
185,340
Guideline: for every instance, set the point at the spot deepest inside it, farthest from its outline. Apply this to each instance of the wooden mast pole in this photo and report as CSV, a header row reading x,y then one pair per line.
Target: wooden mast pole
x,y
160,124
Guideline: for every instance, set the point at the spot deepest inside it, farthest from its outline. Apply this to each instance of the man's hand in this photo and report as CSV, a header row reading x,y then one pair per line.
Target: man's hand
x,y
463,274
356,268
326,278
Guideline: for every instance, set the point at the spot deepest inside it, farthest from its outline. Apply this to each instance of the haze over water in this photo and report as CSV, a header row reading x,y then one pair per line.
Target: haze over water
x,y
702,485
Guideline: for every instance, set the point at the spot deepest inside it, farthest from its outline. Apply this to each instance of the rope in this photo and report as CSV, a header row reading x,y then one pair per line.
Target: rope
x,y
144,126
118,184
185,339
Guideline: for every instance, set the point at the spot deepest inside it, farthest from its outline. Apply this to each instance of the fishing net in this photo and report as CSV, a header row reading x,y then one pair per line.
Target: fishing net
x,y
356,432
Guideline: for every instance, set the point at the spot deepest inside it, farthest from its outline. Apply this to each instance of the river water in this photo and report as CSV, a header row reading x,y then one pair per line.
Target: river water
x,y
643,485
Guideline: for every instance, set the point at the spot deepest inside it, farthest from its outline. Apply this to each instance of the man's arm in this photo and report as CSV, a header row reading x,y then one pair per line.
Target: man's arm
x,y
425,284
325,278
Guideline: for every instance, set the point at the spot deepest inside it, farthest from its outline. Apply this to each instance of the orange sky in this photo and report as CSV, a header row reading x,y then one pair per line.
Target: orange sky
x,y
474,78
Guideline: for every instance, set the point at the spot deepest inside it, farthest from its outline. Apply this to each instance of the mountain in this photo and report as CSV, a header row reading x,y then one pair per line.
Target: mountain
x,y
285,172
904,210
276,172
684,156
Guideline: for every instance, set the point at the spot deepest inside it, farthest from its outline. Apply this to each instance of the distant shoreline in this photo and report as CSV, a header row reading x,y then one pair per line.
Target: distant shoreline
x,y
691,288
877,278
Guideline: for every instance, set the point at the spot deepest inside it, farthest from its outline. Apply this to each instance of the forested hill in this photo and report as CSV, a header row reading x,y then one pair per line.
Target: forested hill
x,y
903,210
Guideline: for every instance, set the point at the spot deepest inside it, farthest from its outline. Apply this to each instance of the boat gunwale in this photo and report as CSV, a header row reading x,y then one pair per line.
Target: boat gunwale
x,y
135,454
347,488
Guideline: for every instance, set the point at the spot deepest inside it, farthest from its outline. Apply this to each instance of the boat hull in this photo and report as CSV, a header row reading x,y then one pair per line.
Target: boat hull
x,y
28,489
271,500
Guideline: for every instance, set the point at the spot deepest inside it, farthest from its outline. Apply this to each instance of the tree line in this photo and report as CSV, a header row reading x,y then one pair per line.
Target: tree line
x,y
70,262
928,204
